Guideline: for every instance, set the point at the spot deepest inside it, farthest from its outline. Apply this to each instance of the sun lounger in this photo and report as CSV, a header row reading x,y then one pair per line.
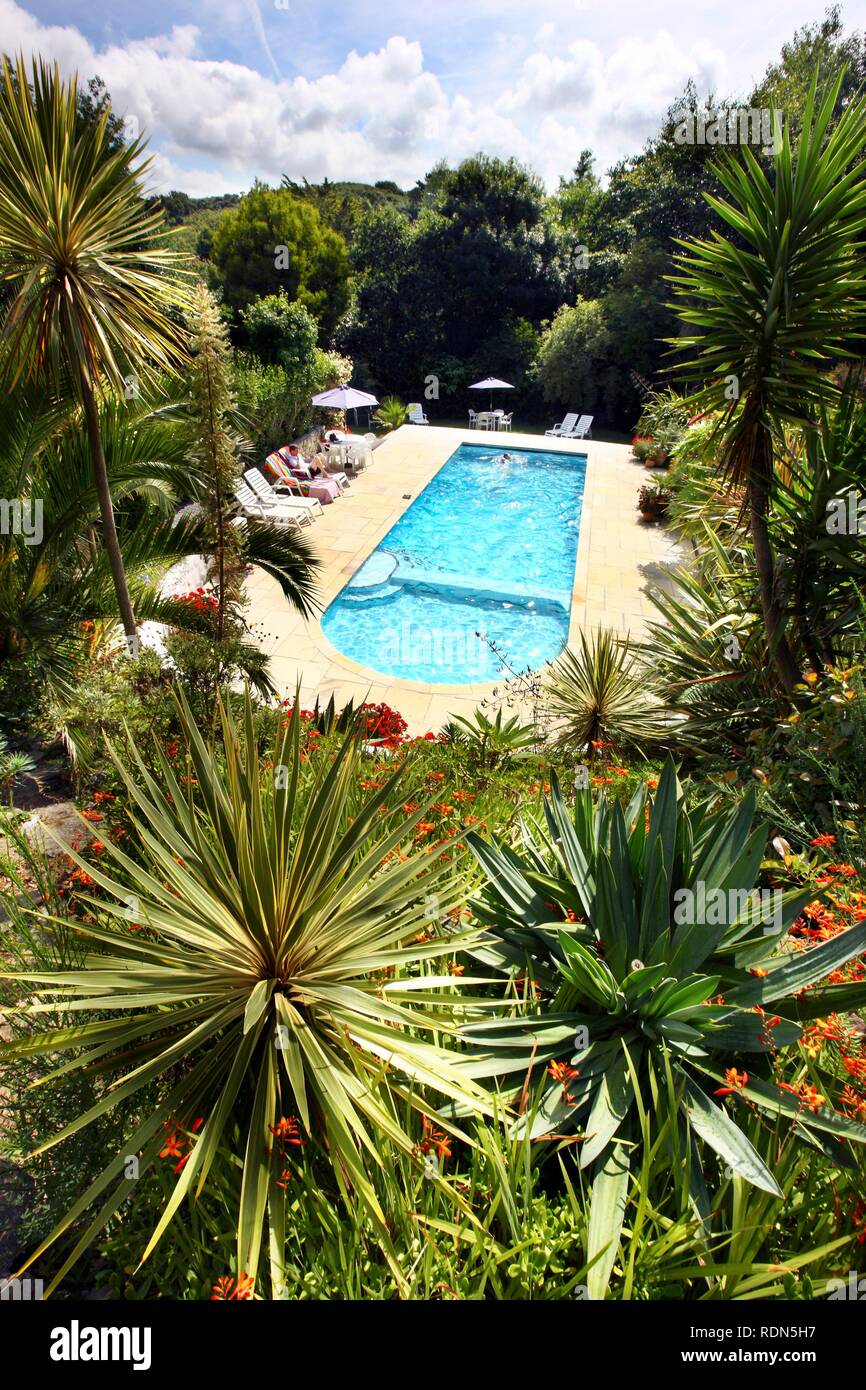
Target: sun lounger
x,y
255,510
266,494
565,428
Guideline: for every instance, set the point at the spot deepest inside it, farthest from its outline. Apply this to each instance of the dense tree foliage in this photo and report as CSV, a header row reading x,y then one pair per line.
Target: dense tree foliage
x,y
274,241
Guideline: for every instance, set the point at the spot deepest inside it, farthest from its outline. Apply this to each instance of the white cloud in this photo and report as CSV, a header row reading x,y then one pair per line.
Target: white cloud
x,y
217,125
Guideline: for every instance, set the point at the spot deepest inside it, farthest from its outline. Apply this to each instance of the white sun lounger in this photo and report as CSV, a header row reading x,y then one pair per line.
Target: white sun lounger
x,y
266,495
254,510
565,428
282,511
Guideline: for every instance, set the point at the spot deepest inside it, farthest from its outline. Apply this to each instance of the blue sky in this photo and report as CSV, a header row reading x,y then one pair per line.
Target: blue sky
x,y
231,90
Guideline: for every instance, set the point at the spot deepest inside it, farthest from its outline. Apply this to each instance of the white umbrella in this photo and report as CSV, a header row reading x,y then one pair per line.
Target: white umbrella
x,y
491,383
344,398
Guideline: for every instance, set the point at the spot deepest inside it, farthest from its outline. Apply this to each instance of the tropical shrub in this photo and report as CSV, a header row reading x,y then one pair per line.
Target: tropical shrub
x,y
392,413
655,961
709,659
493,741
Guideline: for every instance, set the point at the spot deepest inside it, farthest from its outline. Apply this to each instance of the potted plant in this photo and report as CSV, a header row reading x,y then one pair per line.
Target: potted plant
x,y
653,501
641,446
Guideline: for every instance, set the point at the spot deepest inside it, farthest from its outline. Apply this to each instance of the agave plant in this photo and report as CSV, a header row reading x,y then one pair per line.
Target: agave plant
x,y
242,959
597,694
652,999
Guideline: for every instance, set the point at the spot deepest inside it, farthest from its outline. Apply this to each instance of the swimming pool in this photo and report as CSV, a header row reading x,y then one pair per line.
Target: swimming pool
x,y
486,553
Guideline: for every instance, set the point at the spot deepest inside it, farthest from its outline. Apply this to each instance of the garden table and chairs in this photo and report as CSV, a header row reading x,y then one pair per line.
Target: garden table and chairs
x,y
489,420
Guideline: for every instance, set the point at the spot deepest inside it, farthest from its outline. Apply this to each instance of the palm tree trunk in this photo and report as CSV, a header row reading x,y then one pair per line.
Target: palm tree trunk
x,y
774,618
106,509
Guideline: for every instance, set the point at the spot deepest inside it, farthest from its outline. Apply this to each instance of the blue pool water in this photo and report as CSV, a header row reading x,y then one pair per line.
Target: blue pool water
x,y
488,547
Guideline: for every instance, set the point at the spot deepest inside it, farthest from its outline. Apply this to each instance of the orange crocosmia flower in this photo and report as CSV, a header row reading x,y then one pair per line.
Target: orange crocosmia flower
x,y
103,796
287,1131
455,969
425,827
435,1139
92,815
652,783
807,1096
227,1289
823,841
410,807
562,1072
736,1081
759,971
174,1146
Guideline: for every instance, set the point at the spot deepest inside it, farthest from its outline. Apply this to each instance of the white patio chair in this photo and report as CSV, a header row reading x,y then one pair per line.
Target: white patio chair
x,y
416,416
565,427
583,428
351,456
505,422
473,419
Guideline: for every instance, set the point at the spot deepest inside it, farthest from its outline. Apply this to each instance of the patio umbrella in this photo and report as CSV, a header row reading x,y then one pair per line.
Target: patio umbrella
x,y
344,398
491,384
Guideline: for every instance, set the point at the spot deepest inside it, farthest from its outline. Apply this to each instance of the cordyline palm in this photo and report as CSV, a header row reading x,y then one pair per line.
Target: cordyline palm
x,y
88,289
598,692
647,1006
269,913
772,308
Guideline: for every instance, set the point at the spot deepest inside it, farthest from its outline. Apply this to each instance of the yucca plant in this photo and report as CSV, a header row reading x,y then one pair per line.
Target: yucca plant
x,y
242,959
597,694
651,999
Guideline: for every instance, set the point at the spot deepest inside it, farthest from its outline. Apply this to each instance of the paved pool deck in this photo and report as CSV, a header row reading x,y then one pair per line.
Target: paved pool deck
x,y
617,555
